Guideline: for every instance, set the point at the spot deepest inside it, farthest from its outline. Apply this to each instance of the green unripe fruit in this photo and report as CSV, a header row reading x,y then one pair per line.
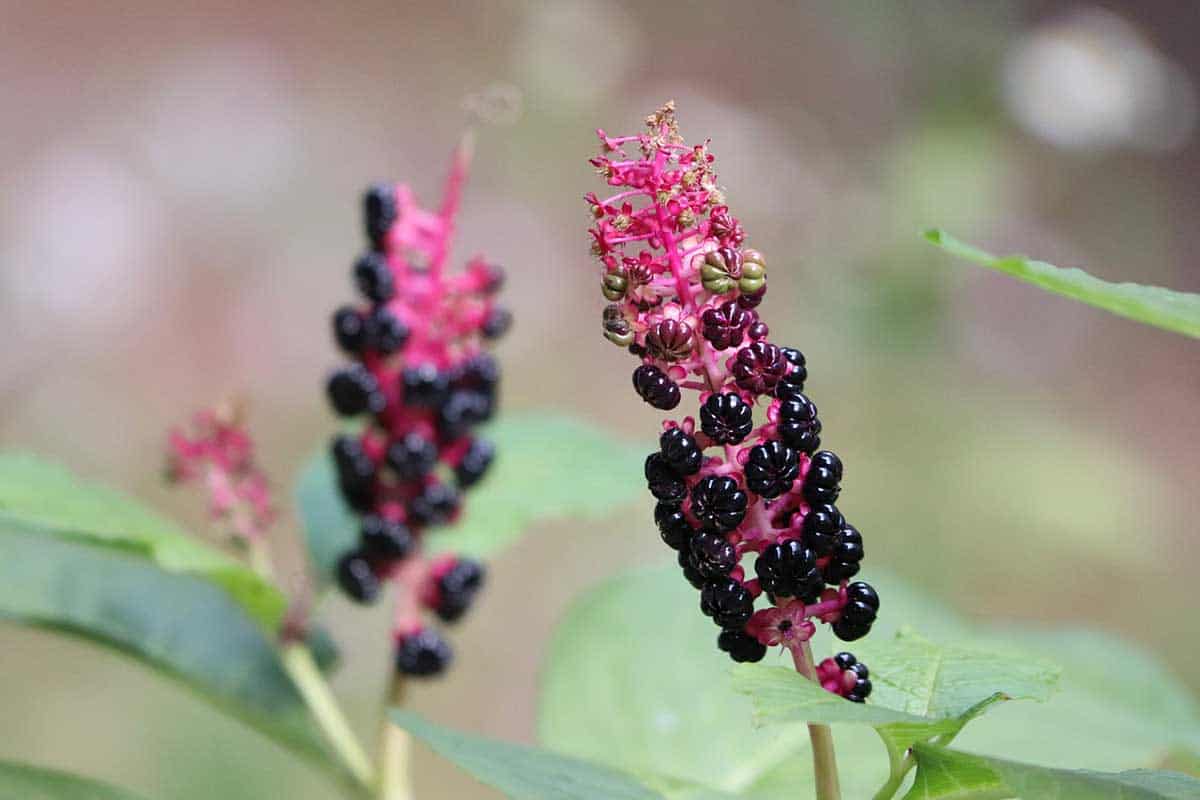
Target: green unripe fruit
x,y
613,285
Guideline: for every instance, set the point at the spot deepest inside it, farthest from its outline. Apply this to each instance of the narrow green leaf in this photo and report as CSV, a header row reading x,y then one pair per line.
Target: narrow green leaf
x,y
35,492
526,773
943,774
181,625
27,782
548,466
1152,305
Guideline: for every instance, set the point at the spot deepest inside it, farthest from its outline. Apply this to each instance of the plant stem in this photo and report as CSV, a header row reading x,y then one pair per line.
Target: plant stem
x,y
302,669
824,760
395,745
898,766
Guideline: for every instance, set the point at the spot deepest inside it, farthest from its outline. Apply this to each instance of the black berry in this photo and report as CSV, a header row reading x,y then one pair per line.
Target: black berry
x,y
673,526
727,602
424,385
379,212
435,505
680,451
349,330
771,469
788,569
847,553
457,589
385,538
423,654
821,482
653,386
356,472
353,390
690,572
475,462
712,556
862,603
663,481
386,333
724,326
862,683
718,503
726,418
798,426
820,529
373,277
357,579
411,456
758,367
462,410
793,381
498,322
741,646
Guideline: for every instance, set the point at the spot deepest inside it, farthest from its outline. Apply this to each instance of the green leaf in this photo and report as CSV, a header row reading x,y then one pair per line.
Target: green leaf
x,y
526,772
1152,305
548,466
943,774
26,782
181,625
921,689
37,493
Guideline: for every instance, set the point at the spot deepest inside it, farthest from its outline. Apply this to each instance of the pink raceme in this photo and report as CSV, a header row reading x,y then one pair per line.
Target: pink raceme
x,y
741,481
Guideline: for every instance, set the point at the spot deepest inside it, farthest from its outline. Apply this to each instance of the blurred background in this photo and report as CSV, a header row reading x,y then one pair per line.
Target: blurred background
x,y
179,212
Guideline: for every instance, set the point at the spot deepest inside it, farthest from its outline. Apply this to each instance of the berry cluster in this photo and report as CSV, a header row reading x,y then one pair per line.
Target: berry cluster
x,y
421,377
683,295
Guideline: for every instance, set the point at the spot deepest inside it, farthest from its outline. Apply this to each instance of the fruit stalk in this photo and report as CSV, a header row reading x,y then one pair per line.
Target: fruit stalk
x,y
824,758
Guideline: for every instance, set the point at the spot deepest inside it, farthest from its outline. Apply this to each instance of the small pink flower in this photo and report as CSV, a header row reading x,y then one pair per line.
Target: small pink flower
x,y
785,625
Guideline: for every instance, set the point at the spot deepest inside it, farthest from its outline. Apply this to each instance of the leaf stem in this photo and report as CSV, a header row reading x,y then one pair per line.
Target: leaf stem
x,y
898,766
824,760
395,746
298,662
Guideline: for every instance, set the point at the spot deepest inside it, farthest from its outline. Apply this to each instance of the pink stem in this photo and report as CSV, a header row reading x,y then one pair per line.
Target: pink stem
x,y
450,201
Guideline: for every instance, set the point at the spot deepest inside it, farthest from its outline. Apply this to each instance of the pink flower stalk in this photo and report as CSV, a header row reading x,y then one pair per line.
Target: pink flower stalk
x,y
421,377
218,451
683,295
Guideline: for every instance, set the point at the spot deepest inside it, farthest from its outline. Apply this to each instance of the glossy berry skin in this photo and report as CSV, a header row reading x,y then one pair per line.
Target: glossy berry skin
x,y
356,472
727,602
387,334
862,684
379,212
726,418
435,505
799,427
771,469
663,481
758,367
690,573
862,603
741,647
457,589
423,654
718,503
670,340
412,456
712,556
475,462
793,380
424,386
655,387
788,569
846,676
847,553
373,278
353,390
820,529
673,526
822,483
680,451
723,327
461,411
498,323
356,578
349,330
384,538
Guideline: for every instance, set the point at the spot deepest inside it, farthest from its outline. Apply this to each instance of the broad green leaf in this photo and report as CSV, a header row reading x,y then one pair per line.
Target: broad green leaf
x,y
548,466
38,493
944,774
1152,305
921,689
27,782
181,625
526,772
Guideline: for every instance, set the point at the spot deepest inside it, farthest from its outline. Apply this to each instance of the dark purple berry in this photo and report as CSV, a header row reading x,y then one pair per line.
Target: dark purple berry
x,y
718,503
673,526
758,330
741,646
771,469
751,300
820,529
858,613
480,372
655,387
461,411
728,602
680,451
822,481
349,330
670,340
411,456
712,556
693,575
864,593
457,589
379,212
847,553
435,505
724,326
423,654
663,481
356,578
385,538
788,569
475,462
498,322
798,425
356,472
793,381
385,332
424,385
845,661
373,277
353,390
726,418
758,367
